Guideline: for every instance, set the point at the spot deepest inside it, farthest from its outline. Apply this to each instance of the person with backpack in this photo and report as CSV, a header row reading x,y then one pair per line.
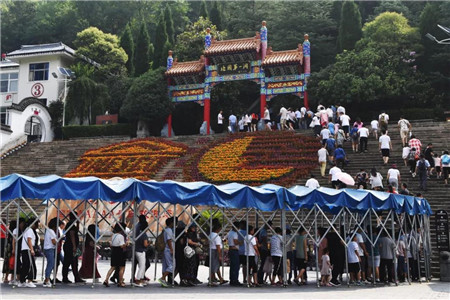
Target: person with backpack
x,y
422,167
361,179
412,162
383,119
445,166
354,137
340,157
404,127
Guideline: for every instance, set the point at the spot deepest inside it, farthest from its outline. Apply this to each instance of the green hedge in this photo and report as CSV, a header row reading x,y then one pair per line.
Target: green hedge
x,y
96,130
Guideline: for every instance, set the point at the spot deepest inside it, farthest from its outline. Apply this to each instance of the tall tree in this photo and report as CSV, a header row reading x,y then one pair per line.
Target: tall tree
x,y
127,43
215,16
160,42
169,24
350,26
103,48
142,53
203,10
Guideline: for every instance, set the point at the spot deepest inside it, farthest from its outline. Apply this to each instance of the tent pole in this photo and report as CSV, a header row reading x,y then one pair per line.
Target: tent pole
x,y
247,245
405,228
16,255
95,238
283,226
223,250
84,228
393,214
133,255
157,234
58,239
210,249
316,245
427,235
43,250
346,246
174,267
372,250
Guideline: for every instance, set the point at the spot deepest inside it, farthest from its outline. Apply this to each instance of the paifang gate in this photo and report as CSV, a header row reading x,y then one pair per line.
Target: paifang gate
x,y
277,72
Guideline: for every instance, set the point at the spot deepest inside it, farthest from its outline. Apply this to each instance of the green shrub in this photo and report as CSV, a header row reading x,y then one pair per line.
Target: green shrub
x,y
96,130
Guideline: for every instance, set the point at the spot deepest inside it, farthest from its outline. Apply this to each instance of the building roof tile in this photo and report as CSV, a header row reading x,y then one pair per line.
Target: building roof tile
x,y
186,68
26,50
283,57
233,46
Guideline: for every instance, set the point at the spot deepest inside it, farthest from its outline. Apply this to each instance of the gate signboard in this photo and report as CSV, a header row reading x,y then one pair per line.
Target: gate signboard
x,y
442,230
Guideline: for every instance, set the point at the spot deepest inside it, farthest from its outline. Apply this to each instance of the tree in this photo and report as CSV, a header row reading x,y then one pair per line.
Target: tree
x,y
392,6
142,52
103,48
379,69
55,109
160,42
191,43
127,44
350,26
215,16
118,86
85,98
147,99
203,10
169,24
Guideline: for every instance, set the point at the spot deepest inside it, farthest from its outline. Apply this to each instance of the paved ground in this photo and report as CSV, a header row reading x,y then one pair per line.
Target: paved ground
x,y
432,290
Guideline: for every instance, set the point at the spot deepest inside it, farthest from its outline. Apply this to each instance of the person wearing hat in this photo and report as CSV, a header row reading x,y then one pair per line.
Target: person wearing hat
x,y
393,176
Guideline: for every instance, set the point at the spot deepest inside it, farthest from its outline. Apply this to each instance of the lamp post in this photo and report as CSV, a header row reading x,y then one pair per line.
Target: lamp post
x,y
442,42
68,76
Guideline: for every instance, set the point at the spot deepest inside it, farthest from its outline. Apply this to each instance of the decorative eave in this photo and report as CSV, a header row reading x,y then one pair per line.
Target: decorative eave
x,y
187,68
234,46
42,49
25,103
288,57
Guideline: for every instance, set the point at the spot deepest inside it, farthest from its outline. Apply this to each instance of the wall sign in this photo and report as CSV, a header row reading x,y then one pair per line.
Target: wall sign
x,y
442,230
37,90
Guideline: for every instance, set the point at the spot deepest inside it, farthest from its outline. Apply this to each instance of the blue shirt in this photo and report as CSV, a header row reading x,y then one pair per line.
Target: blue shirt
x,y
331,144
339,153
331,127
232,119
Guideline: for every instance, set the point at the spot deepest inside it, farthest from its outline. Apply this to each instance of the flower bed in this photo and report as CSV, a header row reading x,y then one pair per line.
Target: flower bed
x,y
140,159
262,157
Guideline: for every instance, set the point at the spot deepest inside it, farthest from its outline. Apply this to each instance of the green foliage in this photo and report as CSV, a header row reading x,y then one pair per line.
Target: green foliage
x,y
203,10
118,86
350,26
71,132
147,99
142,52
215,16
127,44
103,48
169,25
191,43
392,6
379,68
55,110
86,98
160,41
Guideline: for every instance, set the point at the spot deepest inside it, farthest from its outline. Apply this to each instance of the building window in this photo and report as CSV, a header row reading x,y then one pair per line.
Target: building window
x,y
4,116
9,82
38,72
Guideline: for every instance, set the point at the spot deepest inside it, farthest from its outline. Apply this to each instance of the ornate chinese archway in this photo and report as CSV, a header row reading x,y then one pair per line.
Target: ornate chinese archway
x,y
277,72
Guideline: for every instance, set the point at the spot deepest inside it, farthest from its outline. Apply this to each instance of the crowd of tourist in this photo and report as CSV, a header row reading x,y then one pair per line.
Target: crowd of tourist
x,y
257,253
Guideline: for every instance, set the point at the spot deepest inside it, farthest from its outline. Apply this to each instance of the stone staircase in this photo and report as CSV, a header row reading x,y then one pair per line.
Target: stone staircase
x,y
426,131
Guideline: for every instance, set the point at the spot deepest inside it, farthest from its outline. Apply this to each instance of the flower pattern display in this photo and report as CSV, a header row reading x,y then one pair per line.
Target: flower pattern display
x,y
257,158
140,158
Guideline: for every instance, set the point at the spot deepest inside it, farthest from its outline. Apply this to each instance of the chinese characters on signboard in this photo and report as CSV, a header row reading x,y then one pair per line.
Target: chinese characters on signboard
x,y
233,68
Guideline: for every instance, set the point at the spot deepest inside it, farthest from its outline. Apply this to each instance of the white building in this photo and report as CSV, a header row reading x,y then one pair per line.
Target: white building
x,y
28,86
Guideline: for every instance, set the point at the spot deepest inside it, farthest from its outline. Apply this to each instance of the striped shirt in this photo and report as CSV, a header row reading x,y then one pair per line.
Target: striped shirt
x,y
275,245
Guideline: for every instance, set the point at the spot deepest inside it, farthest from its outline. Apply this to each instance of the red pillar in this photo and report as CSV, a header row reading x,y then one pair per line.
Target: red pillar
x,y
263,105
169,125
305,100
207,114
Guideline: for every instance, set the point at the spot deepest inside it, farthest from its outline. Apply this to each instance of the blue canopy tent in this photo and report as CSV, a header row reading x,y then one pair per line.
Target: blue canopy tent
x,y
296,206
233,195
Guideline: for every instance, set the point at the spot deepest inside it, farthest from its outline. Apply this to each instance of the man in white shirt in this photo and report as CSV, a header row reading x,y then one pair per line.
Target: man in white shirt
x,y
353,260
323,154
283,117
345,122
232,121
220,122
298,116
27,254
266,118
383,118
276,251
374,125
385,146
215,244
303,118
325,134
251,251
233,254
312,183
393,176
363,134
334,173
404,127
